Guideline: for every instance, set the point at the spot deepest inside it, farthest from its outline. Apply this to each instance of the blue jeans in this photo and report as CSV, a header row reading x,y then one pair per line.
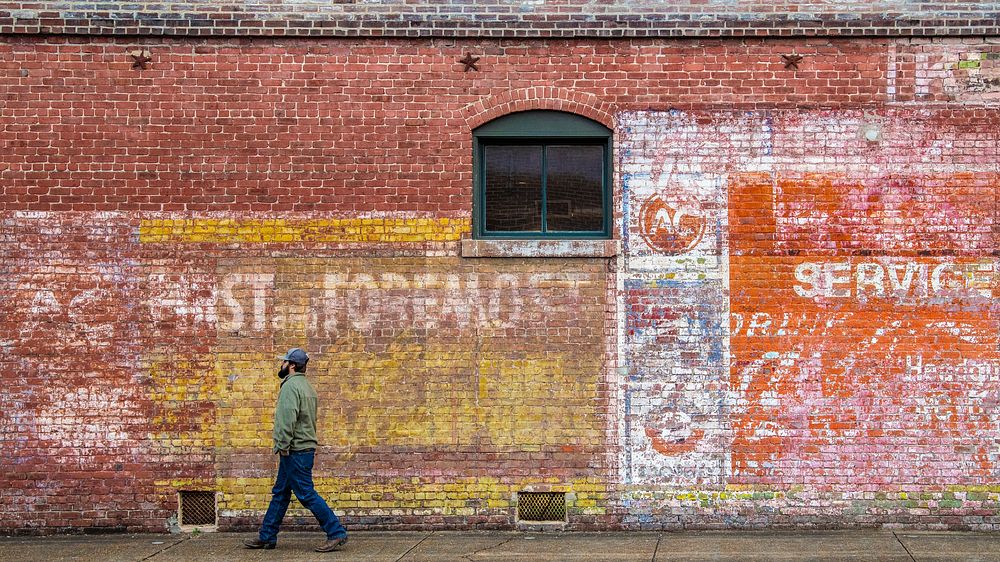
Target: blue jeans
x,y
295,475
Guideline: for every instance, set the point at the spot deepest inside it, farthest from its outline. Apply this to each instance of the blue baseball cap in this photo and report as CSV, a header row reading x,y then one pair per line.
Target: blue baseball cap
x,y
296,355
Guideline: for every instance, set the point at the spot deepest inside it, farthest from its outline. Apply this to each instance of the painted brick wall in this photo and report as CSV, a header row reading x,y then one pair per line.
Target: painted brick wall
x,y
801,328
814,344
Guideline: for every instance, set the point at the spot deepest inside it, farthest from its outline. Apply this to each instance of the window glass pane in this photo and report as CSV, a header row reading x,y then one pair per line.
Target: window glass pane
x,y
573,190
513,196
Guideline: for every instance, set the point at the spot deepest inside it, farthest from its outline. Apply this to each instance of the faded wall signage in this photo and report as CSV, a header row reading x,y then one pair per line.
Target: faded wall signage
x,y
422,353
395,299
863,330
965,72
838,321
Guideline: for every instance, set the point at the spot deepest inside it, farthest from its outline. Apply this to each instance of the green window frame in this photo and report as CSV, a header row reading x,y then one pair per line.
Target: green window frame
x,y
544,129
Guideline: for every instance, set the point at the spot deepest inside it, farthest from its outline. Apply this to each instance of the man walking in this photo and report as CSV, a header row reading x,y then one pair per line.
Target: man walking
x,y
295,442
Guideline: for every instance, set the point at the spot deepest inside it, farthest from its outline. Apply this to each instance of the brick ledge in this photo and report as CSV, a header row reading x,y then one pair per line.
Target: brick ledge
x,y
540,248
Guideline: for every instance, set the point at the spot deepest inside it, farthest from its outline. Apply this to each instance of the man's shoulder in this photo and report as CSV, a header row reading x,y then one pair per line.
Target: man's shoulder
x,y
306,387
299,382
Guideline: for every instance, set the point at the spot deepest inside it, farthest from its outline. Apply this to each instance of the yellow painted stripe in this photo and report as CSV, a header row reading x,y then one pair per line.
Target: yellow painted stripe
x,y
266,231
449,498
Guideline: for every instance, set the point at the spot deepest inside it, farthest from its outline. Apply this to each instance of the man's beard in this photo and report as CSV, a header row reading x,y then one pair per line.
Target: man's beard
x,y
283,372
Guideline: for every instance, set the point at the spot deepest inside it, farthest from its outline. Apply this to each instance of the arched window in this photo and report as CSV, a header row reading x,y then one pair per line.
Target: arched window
x,y
542,174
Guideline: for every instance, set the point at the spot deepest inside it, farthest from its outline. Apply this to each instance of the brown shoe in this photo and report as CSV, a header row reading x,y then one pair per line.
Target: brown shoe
x,y
332,545
257,543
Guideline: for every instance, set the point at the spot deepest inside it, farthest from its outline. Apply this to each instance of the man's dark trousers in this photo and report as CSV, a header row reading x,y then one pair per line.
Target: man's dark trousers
x,y
295,475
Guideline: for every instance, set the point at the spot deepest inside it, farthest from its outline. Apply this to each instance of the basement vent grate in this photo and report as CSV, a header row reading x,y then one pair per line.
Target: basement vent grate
x,y
197,508
541,506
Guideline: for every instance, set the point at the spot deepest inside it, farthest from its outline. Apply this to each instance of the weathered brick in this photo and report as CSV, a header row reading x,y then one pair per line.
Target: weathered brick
x,y
800,330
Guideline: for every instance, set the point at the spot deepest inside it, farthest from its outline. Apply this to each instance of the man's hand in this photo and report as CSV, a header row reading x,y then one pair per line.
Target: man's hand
x,y
283,452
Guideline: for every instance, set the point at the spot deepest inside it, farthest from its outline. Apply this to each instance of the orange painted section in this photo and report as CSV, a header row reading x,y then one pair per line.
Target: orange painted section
x,y
855,345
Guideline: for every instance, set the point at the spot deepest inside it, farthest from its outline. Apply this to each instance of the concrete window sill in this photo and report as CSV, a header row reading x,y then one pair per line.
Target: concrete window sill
x,y
539,248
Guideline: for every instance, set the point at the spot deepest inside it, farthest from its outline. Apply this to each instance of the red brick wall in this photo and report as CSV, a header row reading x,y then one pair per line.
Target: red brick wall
x,y
166,231
356,126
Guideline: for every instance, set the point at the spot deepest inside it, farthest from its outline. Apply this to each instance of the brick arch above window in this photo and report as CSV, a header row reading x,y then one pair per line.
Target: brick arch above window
x,y
541,97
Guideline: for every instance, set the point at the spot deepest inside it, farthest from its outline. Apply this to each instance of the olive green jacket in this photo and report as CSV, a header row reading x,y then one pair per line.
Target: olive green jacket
x,y
295,415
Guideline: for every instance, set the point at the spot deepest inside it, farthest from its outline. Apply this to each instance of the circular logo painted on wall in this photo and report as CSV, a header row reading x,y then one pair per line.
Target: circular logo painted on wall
x,y
671,228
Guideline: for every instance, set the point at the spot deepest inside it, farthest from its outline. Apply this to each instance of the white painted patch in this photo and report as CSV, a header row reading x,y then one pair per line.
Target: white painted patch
x,y
675,347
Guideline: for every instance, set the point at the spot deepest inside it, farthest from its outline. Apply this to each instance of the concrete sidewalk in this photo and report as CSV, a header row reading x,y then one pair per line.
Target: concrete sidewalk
x,y
497,546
